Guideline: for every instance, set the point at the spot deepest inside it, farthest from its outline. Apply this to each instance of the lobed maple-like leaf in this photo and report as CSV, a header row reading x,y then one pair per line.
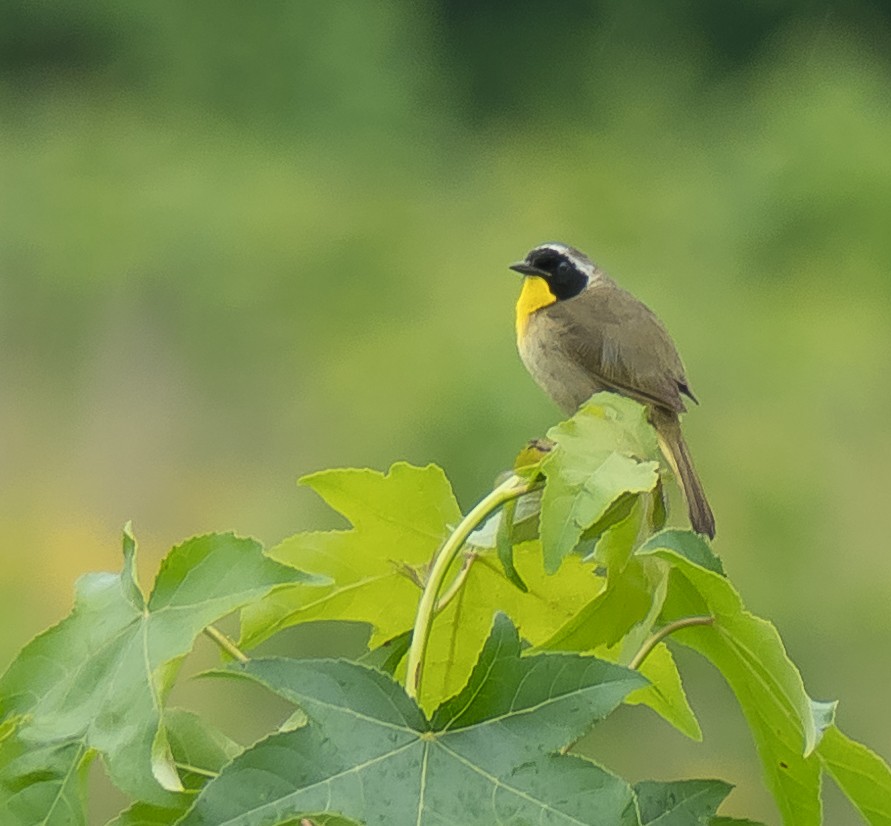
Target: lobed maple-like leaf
x,y
400,520
485,756
96,682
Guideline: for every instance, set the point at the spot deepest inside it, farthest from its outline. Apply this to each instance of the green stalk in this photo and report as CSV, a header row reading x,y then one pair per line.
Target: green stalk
x,y
515,486
226,644
662,633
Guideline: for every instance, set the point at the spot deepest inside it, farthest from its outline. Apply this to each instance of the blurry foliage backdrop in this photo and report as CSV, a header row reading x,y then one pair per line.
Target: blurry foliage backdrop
x,y
242,242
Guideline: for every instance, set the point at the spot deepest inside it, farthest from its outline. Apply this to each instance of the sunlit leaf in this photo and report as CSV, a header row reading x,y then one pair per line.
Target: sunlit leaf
x,y
665,694
460,630
399,519
606,618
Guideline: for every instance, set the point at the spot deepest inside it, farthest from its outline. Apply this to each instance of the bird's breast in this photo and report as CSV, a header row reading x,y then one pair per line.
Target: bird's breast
x,y
544,355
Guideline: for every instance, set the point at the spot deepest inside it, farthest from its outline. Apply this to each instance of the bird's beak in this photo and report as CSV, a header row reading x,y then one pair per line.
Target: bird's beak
x,y
526,269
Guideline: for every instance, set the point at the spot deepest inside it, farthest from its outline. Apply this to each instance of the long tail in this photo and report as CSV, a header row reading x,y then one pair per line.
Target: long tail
x,y
671,440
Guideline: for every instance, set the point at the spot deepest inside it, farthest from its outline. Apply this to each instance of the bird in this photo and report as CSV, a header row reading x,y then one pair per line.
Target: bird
x,y
579,332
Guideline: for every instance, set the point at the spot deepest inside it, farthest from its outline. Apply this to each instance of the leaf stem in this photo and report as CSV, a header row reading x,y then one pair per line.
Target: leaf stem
x,y
512,488
187,767
225,643
662,633
458,581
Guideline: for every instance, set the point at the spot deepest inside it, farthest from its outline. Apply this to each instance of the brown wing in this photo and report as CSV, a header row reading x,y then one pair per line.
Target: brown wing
x,y
622,344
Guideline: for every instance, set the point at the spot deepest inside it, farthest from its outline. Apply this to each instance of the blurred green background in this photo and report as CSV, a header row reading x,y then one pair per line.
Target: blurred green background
x,y
242,242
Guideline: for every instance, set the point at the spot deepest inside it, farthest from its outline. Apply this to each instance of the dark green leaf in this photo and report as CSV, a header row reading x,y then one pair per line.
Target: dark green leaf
x,y
145,814
370,754
387,657
681,802
687,544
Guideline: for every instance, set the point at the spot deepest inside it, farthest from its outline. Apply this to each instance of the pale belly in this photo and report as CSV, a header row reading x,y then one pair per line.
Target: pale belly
x,y
568,384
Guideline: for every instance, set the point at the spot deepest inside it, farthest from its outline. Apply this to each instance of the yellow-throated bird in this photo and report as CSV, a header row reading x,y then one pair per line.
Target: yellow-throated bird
x,y
579,332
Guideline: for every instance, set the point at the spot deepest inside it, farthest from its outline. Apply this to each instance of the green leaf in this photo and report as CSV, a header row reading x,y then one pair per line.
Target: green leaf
x,y
486,757
387,657
750,655
624,602
665,694
461,629
732,821
399,519
613,538
681,802
527,511
687,544
199,750
823,716
861,774
96,682
145,814
600,455
504,543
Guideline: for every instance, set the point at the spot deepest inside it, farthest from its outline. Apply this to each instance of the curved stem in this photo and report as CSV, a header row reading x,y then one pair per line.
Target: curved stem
x,y
457,583
515,486
662,633
225,643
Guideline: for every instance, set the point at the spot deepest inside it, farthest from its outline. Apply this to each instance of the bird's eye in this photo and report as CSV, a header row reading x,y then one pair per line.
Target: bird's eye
x,y
564,269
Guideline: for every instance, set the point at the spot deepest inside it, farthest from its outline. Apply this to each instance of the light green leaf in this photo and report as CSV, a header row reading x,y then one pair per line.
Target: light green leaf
x,y
860,773
624,602
399,519
750,655
96,682
600,454
665,694
680,802
527,511
486,757
612,539
460,630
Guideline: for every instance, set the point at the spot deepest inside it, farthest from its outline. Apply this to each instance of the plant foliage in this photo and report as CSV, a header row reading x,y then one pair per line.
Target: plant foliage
x,y
487,660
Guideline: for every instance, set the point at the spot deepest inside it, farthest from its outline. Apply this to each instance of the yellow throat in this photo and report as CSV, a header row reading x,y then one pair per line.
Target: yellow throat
x,y
534,295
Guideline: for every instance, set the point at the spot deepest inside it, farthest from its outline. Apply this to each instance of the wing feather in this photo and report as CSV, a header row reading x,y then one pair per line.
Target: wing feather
x,y
621,344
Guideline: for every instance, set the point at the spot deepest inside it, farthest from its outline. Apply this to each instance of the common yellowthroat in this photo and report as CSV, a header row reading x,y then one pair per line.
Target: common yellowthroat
x,y
578,332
